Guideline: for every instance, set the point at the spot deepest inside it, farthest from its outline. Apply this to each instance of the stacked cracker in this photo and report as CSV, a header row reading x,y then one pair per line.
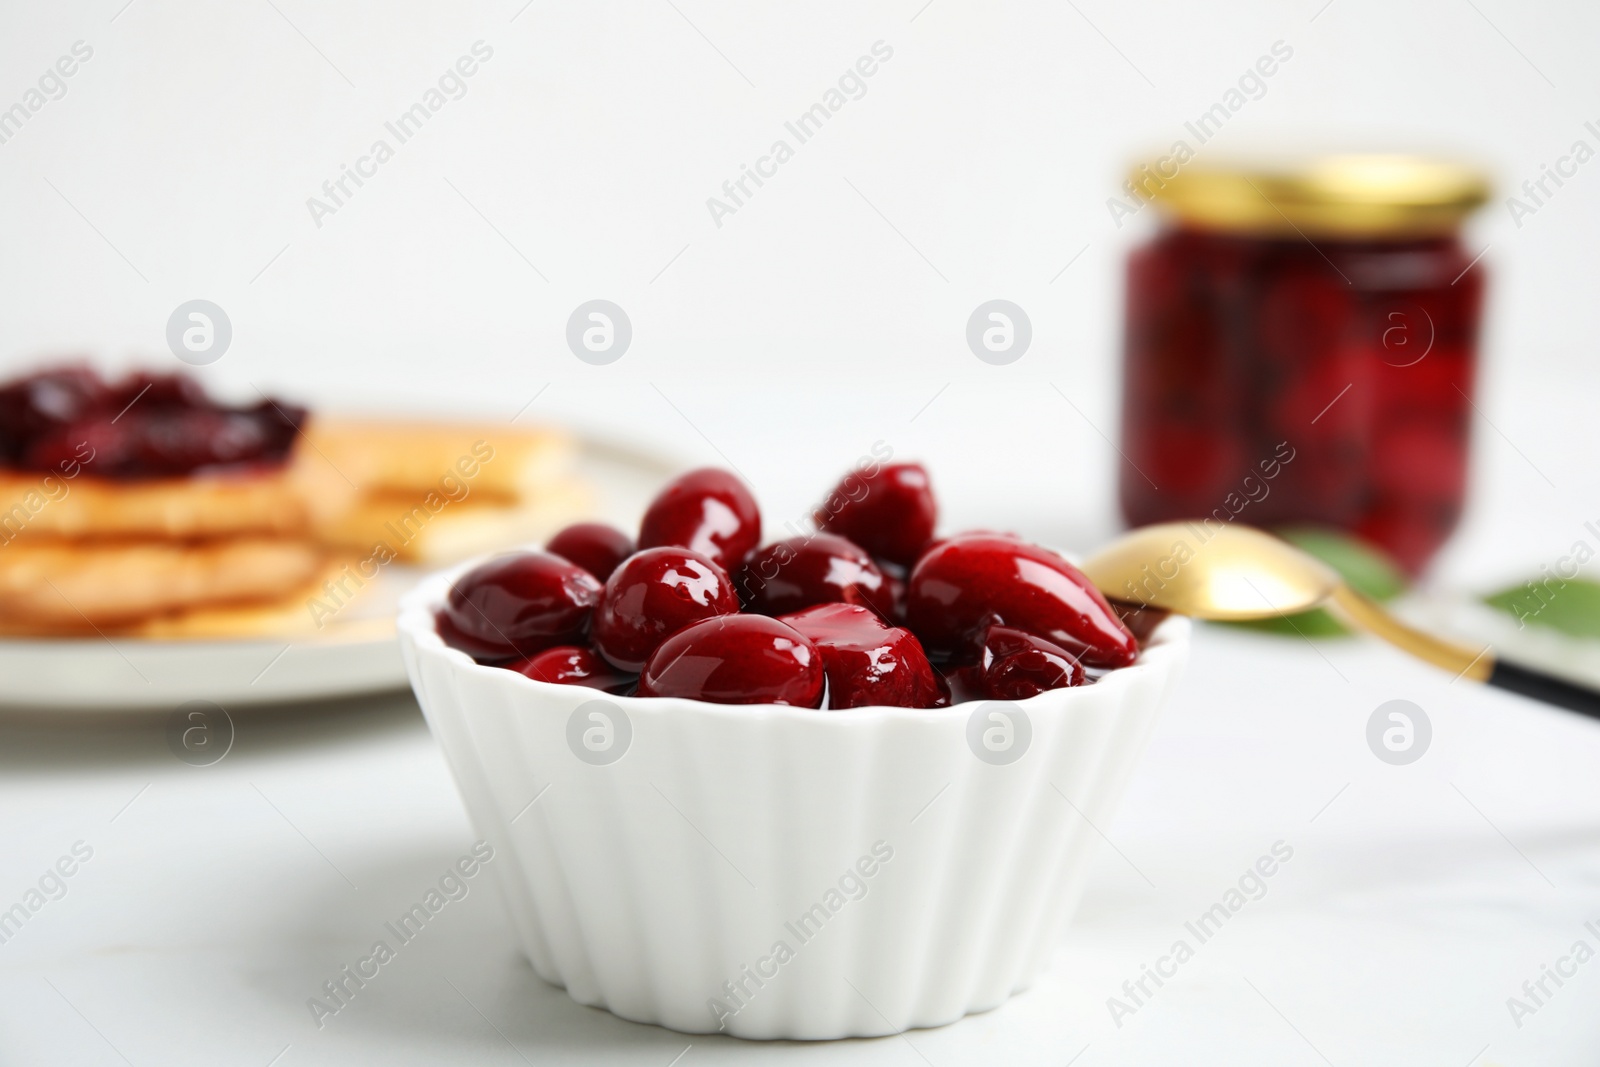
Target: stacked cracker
x,y
284,550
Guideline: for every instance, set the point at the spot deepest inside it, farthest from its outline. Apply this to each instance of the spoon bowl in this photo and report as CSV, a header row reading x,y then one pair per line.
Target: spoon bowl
x,y
1228,573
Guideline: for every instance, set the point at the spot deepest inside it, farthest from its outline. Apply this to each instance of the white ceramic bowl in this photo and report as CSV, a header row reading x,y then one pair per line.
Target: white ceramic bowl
x,y
778,872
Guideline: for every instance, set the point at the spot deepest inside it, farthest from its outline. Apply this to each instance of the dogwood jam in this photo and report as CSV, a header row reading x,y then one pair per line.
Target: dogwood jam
x,y
1300,346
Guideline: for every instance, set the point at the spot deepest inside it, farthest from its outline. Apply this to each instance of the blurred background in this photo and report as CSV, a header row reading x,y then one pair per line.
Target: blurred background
x,y
827,312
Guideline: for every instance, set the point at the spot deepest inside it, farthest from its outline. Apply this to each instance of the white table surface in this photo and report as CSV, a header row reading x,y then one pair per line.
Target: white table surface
x,y
1419,898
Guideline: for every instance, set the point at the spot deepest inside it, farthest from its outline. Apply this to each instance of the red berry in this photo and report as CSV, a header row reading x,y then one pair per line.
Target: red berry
x,y
98,444
38,403
708,511
517,605
736,659
572,665
868,662
653,595
1017,665
822,569
147,426
967,584
594,546
890,513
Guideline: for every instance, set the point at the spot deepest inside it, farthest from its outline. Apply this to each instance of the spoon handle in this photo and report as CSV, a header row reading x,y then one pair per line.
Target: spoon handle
x,y
1546,687
1366,614
1479,666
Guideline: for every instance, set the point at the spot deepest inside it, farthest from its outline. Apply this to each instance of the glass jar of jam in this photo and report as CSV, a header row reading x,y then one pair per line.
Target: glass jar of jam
x,y
1299,348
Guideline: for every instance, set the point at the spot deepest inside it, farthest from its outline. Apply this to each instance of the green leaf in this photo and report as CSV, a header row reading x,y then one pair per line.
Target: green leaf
x,y
1570,606
1365,566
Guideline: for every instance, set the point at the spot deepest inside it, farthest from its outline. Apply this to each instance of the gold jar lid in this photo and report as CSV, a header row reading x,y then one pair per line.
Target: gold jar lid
x,y
1351,196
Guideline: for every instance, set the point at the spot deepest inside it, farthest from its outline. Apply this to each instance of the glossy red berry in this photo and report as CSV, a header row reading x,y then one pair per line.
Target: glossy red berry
x,y
1017,665
967,584
736,659
821,569
594,546
517,605
708,511
869,663
573,665
653,595
890,513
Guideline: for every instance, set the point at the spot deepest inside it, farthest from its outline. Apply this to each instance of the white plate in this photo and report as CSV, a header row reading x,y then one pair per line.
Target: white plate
x,y
348,658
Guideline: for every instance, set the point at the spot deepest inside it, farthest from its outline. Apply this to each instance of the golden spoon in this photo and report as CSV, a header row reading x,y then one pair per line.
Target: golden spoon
x,y
1234,572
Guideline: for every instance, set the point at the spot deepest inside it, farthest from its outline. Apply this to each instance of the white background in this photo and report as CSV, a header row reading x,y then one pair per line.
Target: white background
x,y
805,327
824,315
